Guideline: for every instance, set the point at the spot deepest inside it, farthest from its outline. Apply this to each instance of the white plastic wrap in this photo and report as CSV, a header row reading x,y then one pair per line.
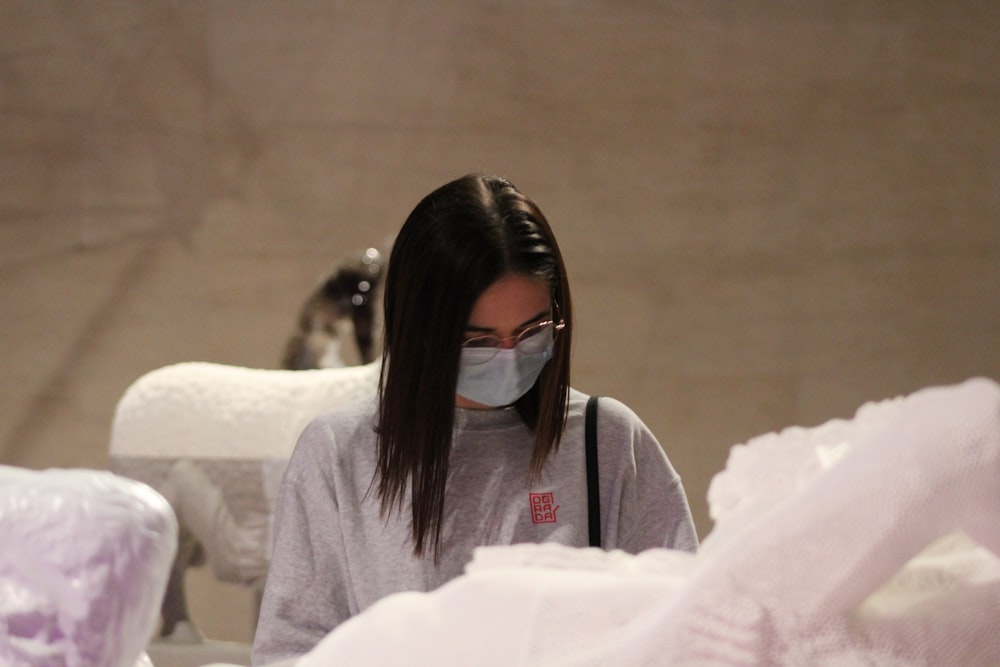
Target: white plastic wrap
x,y
84,560
879,547
772,467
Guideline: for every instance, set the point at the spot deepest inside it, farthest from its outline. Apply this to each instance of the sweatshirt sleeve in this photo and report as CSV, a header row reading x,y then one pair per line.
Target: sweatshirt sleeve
x,y
647,500
306,593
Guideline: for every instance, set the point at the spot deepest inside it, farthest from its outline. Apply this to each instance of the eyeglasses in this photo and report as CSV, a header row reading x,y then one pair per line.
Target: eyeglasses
x,y
532,340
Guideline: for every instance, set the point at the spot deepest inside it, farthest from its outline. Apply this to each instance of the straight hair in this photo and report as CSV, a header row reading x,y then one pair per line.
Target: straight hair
x,y
459,240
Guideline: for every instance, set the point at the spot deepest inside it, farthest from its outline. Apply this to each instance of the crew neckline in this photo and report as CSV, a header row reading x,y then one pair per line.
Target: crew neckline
x,y
472,419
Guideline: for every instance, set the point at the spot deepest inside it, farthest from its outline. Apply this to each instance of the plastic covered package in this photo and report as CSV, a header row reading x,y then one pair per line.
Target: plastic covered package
x,y
84,560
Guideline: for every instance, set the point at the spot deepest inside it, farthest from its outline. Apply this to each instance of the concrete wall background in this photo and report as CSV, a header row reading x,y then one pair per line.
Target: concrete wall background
x,y
771,212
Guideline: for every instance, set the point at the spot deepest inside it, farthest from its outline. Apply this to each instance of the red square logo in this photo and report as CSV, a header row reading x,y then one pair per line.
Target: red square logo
x,y
543,507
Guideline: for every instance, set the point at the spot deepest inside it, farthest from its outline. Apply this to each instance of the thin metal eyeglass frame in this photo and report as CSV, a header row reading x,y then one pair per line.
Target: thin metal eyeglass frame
x,y
517,338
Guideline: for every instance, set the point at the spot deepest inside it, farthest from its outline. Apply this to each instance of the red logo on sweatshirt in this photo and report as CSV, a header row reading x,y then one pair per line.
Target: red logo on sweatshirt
x,y
543,507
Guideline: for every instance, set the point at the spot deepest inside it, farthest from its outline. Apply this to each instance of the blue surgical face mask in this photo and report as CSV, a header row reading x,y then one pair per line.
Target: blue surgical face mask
x,y
502,379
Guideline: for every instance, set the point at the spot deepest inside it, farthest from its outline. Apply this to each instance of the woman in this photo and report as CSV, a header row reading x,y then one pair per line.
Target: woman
x,y
475,437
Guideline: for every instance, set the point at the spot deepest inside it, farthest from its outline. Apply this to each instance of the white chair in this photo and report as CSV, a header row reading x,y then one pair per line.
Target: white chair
x,y
214,440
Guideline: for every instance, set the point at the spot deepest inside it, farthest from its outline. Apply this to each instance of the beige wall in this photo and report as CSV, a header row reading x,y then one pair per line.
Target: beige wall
x,y
771,212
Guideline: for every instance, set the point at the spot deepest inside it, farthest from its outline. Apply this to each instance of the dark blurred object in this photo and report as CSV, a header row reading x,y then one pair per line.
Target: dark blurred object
x,y
338,324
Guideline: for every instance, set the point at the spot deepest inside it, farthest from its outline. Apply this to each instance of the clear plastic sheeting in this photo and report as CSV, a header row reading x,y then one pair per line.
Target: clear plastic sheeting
x,y
880,548
84,560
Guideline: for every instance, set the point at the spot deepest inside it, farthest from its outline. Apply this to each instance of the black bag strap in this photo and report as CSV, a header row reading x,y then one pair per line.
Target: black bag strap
x,y
593,486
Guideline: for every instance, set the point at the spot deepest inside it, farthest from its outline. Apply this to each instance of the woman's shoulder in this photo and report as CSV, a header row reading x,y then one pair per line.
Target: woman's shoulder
x,y
358,412
610,409
339,431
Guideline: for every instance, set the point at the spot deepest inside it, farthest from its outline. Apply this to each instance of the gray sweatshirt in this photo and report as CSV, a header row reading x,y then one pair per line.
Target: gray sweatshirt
x,y
334,555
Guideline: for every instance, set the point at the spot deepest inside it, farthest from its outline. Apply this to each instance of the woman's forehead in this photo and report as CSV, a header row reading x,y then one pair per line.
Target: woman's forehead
x,y
512,301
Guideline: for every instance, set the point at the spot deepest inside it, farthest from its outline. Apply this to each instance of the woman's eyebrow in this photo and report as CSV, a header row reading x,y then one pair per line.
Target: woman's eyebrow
x,y
531,320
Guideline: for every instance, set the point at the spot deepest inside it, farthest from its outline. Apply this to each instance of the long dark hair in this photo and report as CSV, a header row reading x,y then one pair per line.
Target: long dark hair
x,y
458,241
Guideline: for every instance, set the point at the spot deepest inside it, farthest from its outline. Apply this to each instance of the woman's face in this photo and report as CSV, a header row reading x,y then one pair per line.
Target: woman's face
x,y
507,307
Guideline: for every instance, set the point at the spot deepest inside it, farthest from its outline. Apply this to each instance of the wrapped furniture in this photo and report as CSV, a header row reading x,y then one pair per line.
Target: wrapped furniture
x,y
84,560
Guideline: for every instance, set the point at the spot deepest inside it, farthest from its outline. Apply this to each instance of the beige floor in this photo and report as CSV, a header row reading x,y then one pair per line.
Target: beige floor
x,y
771,212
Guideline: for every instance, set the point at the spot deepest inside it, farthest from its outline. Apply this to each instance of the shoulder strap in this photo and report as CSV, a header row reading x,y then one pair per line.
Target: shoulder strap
x,y
593,486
